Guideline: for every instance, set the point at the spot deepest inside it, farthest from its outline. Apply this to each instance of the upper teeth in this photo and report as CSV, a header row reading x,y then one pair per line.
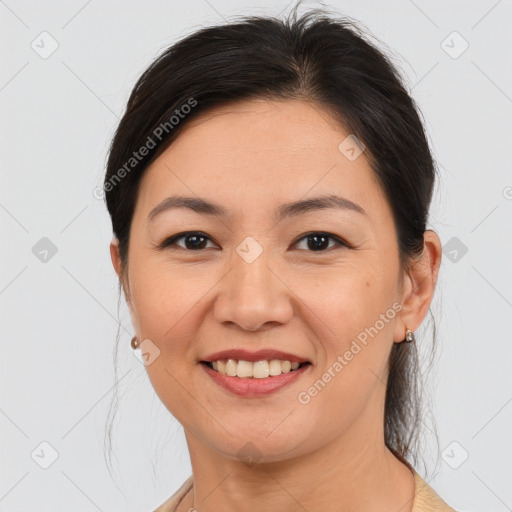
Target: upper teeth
x,y
258,369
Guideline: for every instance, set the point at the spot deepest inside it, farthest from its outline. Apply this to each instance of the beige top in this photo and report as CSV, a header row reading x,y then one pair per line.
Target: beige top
x,y
425,498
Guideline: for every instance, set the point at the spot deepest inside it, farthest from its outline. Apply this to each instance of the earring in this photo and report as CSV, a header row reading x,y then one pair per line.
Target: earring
x,y
135,343
409,336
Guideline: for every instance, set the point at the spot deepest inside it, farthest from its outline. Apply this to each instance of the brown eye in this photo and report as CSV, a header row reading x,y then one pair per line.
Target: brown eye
x,y
197,241
193,241
319,242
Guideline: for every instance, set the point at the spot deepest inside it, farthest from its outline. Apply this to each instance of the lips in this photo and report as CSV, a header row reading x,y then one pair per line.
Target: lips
x,y
254,374
260,355
255,387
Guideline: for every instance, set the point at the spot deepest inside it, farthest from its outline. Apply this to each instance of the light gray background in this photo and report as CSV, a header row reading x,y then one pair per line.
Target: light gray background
x,y
59,316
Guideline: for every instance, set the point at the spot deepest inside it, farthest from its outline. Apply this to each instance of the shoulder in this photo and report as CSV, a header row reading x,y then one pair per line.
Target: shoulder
x,y
171,503
426,499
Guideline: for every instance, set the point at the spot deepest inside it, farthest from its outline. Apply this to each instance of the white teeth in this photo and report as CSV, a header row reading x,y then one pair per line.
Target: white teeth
x,y
256,370
231,367
286,366
275,367
260,369
244,369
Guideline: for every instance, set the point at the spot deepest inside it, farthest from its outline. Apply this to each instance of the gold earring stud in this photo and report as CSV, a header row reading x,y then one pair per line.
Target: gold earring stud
x,y
135,343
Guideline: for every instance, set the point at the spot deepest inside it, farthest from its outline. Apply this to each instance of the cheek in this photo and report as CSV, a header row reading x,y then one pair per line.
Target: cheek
x,y
170,306
358,309
352,299
167,308
163,299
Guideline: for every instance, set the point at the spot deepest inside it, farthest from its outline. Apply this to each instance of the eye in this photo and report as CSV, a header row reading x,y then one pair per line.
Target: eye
x,y
194,240
319,241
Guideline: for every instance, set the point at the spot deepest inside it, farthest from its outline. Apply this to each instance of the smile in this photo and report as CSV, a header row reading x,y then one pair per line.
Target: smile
x,y
254,379
257,370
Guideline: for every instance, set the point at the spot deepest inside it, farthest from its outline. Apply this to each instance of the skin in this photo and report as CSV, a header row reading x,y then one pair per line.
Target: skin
x,y
251,157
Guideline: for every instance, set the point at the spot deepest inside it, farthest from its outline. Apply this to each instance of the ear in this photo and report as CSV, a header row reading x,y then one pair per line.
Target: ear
x,y
419,286
114,256
116,262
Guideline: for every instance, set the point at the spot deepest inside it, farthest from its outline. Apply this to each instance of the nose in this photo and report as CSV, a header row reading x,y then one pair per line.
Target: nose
x,y
253,296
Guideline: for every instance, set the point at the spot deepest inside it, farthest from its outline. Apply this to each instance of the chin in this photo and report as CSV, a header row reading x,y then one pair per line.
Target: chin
x,y
261,447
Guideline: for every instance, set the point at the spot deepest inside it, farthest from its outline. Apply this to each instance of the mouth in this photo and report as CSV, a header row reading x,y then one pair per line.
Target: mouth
x,y
254,374
265,368
256,379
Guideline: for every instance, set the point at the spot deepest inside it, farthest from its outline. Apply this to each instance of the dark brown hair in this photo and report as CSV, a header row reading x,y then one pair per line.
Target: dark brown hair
x,y
320,58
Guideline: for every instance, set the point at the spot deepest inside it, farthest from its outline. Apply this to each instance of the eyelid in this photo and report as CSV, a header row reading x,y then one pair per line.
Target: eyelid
x,y
339,241
171,241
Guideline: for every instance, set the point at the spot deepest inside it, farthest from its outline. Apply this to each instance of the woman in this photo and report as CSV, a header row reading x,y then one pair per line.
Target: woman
x,y
269,187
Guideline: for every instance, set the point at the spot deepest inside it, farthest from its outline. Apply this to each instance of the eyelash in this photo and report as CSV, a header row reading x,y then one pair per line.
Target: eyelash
x,y
172,240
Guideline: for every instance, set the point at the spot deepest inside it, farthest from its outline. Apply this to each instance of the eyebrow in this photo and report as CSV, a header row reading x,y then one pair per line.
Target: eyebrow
x,y
286,210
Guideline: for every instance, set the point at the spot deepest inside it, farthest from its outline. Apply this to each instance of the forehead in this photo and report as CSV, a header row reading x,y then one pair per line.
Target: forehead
x,y
288,130
260,151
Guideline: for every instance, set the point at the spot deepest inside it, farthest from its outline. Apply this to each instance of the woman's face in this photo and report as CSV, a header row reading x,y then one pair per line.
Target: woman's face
x,y
253,280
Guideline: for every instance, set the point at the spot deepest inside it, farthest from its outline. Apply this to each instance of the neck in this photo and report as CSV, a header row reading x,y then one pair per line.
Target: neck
x,y
355,472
